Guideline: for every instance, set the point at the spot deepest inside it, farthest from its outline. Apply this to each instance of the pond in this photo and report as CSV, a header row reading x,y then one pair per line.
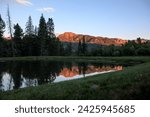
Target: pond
x,y
20,74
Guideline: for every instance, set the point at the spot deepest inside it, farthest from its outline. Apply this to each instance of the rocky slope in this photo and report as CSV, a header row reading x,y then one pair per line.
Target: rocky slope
x,y
72,37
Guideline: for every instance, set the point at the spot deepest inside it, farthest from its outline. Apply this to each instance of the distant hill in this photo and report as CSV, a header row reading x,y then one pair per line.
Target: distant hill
x,y
74,38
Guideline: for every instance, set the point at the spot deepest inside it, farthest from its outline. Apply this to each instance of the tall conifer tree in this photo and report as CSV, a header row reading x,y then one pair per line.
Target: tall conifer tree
x,y
29,27
2,27
79,48
43,35
18,33
84,46
50,28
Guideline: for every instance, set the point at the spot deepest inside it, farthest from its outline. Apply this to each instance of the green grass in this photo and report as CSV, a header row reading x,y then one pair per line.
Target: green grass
x,y
131,83
112,60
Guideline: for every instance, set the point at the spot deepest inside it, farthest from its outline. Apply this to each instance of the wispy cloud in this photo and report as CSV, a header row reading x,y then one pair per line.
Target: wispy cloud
x,y
24,2
46,10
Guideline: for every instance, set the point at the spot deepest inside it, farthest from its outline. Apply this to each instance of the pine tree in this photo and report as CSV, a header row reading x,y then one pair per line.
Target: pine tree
x,y
42,35
18,33
36,31
79,48
54,43
84,47
2,27
29,27
50,28
30,41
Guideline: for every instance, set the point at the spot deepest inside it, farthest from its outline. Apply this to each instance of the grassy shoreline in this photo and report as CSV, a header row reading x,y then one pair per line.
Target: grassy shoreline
x,y
112,60
145,58
131,83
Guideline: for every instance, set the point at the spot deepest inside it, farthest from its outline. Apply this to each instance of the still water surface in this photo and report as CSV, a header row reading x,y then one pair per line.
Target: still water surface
x,y
20,74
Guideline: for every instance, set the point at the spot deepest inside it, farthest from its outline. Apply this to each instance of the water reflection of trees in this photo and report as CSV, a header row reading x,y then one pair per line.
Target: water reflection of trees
x,y
1,85
82,68
3,69
33,73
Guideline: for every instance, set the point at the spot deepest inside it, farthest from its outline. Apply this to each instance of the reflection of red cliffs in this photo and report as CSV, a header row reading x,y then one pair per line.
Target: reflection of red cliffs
x,y
72,37
90,69
118,68
69,73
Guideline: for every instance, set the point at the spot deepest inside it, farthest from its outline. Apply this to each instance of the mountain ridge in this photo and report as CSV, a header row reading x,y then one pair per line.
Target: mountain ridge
x,y
73,37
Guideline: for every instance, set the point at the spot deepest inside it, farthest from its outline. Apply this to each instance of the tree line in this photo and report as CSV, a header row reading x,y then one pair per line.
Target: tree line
x,y
35,41
131,48
41,41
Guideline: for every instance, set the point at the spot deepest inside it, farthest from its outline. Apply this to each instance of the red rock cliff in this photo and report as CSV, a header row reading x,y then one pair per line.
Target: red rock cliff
x,y
72,37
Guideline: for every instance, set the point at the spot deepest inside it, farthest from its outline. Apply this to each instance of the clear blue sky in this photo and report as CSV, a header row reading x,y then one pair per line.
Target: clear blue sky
x,y
127,19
